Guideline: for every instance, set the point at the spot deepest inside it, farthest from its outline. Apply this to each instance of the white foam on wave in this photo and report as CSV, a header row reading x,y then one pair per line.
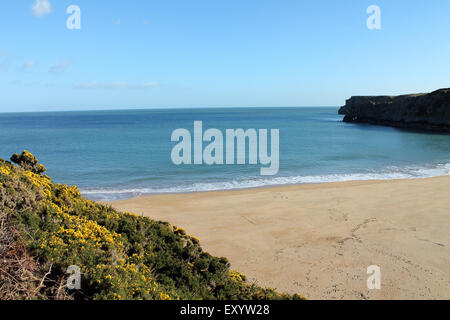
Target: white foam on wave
x,y
389,173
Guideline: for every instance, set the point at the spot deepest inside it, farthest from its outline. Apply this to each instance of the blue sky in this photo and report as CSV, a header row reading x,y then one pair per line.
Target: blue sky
x,y
144,54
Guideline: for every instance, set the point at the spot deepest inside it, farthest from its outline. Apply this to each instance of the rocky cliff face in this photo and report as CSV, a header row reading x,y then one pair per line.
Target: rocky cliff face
x,y
427,111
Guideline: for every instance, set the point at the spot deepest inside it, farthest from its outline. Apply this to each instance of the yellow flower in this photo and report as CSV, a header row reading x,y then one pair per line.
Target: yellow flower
x,y
5,171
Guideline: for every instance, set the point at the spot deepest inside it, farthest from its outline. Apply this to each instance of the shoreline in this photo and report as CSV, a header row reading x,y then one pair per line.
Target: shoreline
x,y
318,239
274,185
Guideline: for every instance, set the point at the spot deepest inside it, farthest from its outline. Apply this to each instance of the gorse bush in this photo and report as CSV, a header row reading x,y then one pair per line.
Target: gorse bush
x,y
47,227
28,162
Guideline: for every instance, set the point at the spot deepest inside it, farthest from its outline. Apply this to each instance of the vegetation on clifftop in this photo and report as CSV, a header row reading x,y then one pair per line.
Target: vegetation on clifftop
x,y
47,227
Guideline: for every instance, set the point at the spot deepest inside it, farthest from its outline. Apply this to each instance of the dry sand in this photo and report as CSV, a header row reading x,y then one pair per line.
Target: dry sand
x,y
318,240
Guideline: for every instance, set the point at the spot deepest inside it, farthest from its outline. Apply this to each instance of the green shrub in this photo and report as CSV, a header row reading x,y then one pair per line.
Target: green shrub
x,y
121,255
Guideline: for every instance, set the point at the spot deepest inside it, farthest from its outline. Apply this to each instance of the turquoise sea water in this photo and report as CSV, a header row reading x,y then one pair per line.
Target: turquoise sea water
x,y
122,154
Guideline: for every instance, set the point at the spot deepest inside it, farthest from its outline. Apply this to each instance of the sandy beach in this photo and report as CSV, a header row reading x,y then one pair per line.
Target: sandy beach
x,y
318,240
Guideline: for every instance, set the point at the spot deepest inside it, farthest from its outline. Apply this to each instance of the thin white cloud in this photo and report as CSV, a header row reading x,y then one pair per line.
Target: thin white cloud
x,y
41,8
15,83
6,58
59,67
25,83
117,22
28,65
150,84
114,85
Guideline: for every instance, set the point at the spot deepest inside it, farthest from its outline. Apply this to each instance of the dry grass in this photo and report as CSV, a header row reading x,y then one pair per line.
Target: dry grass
x,y
20,275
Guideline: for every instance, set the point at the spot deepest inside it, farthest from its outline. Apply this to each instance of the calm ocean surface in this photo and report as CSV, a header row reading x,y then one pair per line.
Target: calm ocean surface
x,y
122,154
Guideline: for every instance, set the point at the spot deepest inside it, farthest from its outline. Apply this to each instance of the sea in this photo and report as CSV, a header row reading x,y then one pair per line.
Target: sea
x,y
122,154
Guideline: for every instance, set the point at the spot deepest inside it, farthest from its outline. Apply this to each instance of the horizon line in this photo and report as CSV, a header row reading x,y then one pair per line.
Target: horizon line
x,y
162,108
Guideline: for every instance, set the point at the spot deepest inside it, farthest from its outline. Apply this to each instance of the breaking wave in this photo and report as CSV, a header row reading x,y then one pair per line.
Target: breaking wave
x,y
410,172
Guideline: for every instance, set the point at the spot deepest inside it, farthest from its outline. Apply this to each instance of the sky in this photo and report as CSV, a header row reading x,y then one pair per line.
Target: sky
x,y
217,53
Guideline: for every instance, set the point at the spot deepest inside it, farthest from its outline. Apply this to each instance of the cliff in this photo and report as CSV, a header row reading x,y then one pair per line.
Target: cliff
x,y
425,111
